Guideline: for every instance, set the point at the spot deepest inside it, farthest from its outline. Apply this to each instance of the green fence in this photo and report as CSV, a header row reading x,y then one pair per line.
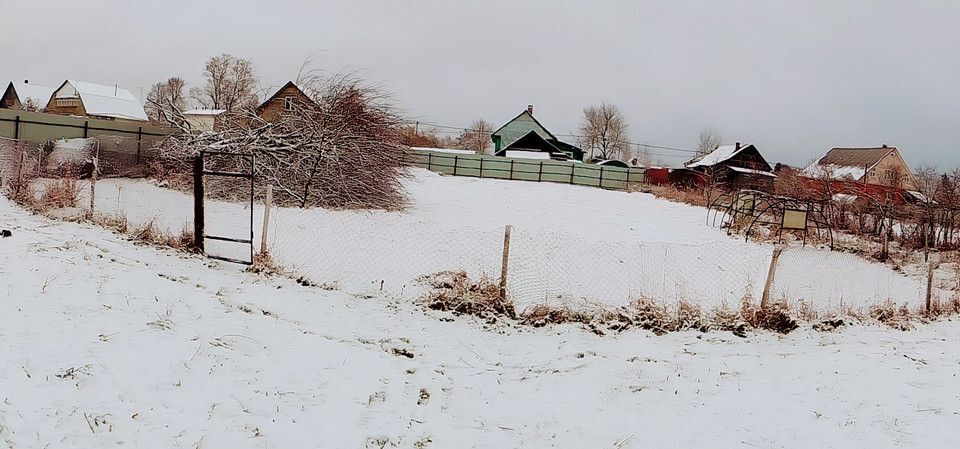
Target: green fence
x,y
486,166
38,127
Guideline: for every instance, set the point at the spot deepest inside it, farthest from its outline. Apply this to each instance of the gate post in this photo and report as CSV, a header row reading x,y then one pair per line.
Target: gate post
x,y
198,202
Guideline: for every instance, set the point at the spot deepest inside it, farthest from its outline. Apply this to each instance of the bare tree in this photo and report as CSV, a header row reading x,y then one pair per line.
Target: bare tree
x,y
603,132
342,151
709,140
166,100
477,137
229,84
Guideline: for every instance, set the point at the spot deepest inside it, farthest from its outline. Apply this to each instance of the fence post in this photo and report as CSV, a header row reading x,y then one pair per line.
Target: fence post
x,y
19,185
771,272
16,128
139,141
266,219
429,161
601,177
540,172
481,166
456,161
929,297
504,265
93,180
511,169
198,202
86,125
573,169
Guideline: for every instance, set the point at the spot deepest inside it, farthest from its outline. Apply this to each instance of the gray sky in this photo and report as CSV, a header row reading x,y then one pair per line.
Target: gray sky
x,y
795,78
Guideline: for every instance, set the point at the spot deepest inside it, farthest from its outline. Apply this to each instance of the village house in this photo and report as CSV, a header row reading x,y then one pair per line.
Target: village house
x,y
25,96
525,137
878,171
204,119
732,166
288,98
95,100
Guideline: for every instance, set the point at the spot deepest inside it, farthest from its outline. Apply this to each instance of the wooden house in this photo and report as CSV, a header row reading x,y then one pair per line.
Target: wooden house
x,y
95,100
25,96
286,99
877,172
731,166
524,136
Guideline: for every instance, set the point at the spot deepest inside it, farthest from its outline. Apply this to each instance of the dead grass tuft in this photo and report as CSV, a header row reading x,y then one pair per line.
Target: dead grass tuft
x,y
60,194
897,317
454,291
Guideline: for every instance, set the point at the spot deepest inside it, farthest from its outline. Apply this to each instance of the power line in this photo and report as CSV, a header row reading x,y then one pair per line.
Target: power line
x,y
637,144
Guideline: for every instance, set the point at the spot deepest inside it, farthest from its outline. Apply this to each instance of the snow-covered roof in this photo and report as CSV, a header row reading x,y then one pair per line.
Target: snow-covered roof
x,y
40,94
722,153
844,198
519,154
838,172
205,112
752,171
108,101
444,150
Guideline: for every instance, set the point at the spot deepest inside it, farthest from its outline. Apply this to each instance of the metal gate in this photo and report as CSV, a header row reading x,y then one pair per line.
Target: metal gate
x,y
236,170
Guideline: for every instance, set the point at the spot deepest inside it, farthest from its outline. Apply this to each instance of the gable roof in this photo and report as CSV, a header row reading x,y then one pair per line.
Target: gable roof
x,y
40,94
524,116
847,162
720,154
107,101
532,138
289,84
205,112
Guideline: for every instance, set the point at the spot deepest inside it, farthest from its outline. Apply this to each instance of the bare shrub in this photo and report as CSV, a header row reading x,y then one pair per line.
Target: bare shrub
x,y
340,149
263,263
676,194
60,194
897,317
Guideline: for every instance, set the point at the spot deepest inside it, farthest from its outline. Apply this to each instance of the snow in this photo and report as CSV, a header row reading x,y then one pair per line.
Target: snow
x,y
838,172
722,153
205,112
40,94
108,101
68,152
443,150
752,171
520,154
108,344
571,245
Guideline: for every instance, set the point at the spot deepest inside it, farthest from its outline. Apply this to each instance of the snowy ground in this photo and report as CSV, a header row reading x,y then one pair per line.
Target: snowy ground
x,y
107,344
571,245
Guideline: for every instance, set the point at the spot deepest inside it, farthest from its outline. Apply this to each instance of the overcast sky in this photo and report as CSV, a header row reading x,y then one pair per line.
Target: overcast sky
x,y
795,78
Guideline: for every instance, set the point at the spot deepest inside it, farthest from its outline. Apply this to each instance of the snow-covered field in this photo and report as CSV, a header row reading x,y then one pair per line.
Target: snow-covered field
x,y
108,344
570,245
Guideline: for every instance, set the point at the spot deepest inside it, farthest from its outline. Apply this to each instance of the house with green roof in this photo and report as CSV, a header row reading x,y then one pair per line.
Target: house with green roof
x,y
524,136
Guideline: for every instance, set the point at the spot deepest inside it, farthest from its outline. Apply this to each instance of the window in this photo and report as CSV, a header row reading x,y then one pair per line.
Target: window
x,y
68,102
287,103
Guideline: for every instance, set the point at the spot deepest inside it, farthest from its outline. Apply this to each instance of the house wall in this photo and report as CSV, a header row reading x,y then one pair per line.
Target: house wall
x,y
274,109
66,92
892,171
201,122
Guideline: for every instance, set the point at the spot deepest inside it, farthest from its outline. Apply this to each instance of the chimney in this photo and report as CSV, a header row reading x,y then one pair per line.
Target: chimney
x,y
884,146
26,81
530,109
738,146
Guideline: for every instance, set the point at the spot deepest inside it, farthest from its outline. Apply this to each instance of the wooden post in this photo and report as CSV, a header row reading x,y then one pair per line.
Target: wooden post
x,y
19,185
86,126
266,219
16,128
601,177
504,265
93,180
540,172
139,141
198,202
481,166
765,299
456,161
429,161
929,296
511,169
573,169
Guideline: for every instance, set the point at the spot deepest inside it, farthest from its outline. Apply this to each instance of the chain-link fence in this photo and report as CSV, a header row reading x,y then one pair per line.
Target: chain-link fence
x,y
364,252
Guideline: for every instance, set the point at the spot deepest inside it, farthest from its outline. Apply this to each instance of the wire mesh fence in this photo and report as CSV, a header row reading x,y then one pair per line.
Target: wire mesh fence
x,y
367,252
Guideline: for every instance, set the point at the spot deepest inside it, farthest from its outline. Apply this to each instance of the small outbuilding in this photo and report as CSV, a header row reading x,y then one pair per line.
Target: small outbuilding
x,y
204,119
